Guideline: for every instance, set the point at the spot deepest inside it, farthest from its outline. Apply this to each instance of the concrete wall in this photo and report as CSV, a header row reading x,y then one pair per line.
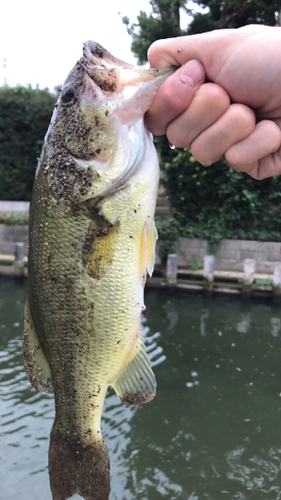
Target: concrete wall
x,y
14,206
231,254
9,235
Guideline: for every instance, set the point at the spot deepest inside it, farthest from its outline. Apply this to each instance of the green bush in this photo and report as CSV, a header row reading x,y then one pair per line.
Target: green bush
x,y
194,266
24,117
263,282
14,218
169,231
217,203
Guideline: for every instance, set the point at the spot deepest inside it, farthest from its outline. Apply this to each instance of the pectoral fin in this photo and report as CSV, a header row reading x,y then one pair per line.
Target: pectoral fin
x,y
98,249
147,249
136,384
152,237
35,362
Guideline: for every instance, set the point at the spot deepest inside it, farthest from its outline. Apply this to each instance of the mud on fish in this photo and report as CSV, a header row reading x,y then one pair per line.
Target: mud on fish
x,y
92,240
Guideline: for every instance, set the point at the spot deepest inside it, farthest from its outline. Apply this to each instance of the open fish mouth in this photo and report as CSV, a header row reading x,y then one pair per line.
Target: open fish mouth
x,y
134,88
129,91
99,120
96,55
119,73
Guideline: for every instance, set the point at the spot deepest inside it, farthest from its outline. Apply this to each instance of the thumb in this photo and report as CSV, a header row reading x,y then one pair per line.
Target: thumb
x,y
174,96
203,47
176,51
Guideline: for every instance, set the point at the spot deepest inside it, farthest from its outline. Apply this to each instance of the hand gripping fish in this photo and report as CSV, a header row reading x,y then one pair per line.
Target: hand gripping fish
x,y
92,240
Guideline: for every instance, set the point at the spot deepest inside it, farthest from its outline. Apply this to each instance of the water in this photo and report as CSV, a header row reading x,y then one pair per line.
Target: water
x,y
213,430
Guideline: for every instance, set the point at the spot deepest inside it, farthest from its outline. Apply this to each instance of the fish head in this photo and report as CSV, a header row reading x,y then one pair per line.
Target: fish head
x,y
96,135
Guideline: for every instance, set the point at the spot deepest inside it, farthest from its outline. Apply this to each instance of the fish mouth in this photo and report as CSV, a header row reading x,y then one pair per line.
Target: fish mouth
x,y
129,90
100,117
111,74
97,55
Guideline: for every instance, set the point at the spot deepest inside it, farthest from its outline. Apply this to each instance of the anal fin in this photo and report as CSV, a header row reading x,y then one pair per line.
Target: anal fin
x,y
35,362
136,384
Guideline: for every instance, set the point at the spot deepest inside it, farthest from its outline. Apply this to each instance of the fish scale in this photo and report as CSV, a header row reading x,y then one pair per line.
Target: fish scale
x,y
92,241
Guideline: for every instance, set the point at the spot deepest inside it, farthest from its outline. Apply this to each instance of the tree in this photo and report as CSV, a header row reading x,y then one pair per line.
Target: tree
x,y
163,22
164,19
24,117
233,14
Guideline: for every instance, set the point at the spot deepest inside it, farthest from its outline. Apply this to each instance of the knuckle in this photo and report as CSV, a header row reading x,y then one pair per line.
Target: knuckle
x,y
243,116
154,48
233,158
153,125
214,96
177,137
200,154
273,134
214,91
156,130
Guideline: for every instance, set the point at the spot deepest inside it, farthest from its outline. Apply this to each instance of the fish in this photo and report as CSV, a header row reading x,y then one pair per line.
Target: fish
x,y
91,243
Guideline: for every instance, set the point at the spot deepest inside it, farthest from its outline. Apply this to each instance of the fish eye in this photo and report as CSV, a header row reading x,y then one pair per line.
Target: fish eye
x,y
68,94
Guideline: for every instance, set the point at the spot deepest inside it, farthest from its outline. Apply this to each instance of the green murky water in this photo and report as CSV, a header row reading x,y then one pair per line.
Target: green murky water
x,y
213,431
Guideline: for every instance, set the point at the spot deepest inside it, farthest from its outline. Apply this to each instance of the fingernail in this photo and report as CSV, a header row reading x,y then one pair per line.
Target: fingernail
x,y
192,73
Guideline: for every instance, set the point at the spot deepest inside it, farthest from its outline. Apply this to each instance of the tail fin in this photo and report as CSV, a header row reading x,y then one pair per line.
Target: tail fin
x,y
78,468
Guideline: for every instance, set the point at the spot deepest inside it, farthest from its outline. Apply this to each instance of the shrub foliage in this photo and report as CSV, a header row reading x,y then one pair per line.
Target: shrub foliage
x,y
24,117
217,202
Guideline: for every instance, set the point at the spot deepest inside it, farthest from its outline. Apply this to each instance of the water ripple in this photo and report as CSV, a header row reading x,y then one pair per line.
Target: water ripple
x,y
186,444
256,472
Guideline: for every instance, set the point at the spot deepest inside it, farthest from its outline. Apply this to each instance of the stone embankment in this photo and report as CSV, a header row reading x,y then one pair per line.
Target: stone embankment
x,y
231,254
238,265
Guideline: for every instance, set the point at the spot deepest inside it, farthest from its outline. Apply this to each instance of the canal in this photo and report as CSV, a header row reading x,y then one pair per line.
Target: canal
x,y
211,433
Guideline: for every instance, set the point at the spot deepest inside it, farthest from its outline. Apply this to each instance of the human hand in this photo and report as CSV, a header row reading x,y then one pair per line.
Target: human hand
x,y
237,113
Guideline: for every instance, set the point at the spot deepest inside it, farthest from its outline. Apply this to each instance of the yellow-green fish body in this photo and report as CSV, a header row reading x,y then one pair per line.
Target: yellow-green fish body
x,y
92,240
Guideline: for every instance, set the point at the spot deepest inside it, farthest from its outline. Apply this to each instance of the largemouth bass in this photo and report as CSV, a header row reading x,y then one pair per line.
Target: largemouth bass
x,y
92,240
